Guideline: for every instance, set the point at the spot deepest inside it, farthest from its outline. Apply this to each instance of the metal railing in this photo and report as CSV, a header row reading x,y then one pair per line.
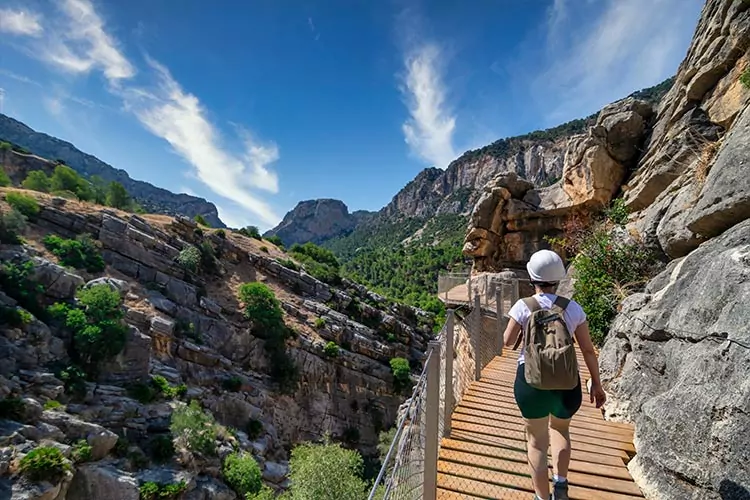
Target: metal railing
x,y
454,360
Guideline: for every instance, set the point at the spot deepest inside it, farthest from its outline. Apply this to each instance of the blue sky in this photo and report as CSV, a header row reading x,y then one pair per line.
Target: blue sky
x,y
256,105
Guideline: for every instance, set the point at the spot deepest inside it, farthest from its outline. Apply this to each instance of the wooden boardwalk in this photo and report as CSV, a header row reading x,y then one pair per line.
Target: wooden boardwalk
x,y
485,455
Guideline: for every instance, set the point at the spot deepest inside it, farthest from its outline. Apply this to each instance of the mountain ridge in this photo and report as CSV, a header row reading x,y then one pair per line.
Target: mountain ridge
x,y
153,198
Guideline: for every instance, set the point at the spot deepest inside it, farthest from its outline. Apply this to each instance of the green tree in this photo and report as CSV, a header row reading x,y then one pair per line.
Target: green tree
x,y
37,181
4,179
24,203
117,196
242,473
201,220
326,471
99,189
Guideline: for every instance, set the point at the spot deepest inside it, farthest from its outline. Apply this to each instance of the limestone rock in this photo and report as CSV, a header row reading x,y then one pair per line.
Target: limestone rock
x,y
102,481
100,439
56,280
208,488
662,370
132,364
315,221
113,283
275,472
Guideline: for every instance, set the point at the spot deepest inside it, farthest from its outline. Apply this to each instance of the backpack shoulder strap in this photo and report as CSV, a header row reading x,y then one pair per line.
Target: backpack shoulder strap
x,y
562,302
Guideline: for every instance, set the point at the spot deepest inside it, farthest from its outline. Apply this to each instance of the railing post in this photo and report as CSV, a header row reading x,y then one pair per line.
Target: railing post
x,y
499,305
448,375
476,328
432,410
514,295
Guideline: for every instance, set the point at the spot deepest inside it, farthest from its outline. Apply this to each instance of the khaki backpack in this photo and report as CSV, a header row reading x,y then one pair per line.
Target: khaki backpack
x,y
550,361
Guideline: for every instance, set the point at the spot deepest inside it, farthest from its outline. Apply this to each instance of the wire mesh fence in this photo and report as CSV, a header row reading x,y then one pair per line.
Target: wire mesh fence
x,y
456,357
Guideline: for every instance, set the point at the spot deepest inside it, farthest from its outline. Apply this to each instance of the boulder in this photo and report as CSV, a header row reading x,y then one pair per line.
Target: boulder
x,y
132,364
674,363
101,440
119,285
275,472
102,480
58,283
208,488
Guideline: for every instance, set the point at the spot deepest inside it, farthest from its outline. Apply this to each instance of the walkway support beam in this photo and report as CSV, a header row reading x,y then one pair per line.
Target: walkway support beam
x,y
448,375
432,411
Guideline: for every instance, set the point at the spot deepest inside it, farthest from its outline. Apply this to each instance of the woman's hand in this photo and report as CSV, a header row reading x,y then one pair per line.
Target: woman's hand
x,y
596,393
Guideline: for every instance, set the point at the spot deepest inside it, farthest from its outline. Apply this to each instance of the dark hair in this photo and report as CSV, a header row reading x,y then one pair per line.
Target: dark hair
x,y
544,284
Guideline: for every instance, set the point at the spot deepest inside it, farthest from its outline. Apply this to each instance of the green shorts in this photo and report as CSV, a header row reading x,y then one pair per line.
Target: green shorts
x,y
537,403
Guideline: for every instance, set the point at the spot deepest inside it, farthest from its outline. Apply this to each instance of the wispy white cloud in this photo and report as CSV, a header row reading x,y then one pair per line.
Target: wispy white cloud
x,y
20,22
169,112
429,130
80,43
20,78
314,31
625,45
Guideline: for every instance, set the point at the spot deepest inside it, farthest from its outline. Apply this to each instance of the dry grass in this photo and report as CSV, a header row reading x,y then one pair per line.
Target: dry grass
x,y
705,161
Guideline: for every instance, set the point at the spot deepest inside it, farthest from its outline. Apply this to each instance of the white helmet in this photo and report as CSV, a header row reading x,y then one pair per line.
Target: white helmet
x,y
546,266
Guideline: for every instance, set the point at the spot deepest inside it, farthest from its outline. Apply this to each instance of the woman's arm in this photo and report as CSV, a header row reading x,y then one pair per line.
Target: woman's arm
x,y
511,333
583,337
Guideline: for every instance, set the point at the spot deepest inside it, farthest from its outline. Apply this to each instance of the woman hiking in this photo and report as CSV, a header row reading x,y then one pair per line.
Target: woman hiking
x,y
547,412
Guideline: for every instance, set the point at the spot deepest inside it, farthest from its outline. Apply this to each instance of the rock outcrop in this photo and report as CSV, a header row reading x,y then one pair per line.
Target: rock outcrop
x,y
316,221
46,148
512,218
187,327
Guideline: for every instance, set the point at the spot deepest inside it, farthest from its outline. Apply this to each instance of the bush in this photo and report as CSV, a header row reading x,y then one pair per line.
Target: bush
x,y
264,249
331,349
162,448
745,76
189,258
196,427
98,330
221,234
65,178
44,463
16,282
242,473
320,323
53,404
12,226
326,471
265,493
201,220
74,379
4,179
254,428
319,262
276,240
81,452
118,197
12,408
37,181
251,232
232,384
24,203
289,264
161,491
401,371
80,253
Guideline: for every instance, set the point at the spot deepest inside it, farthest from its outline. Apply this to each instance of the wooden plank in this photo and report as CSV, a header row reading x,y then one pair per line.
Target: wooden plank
x,y
489,477
617,472
452,495
579,420
474,488
576,433
575,478
520,445
521,436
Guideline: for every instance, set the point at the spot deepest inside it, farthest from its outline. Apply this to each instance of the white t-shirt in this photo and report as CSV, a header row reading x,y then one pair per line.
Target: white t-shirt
x,y
574,315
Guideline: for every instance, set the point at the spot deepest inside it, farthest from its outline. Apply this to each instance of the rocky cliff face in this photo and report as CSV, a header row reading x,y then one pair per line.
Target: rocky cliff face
x,y
316,221
152,198
188,328
677,357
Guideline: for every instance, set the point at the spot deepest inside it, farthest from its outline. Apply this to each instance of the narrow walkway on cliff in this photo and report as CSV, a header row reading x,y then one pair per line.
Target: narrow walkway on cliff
x,y
461,434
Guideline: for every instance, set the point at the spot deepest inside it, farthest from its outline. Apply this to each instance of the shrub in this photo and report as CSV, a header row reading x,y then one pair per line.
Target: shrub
x,y
189,258
80,253
251,232
254,428
265,493
745,76
618,212
264,249
12,226
12,408
320,262
208,257
81,452
232,384
16,282
53,404
221,234
37,181
44,463
74,379
196,427
331,349
401,371
242,473
161,491
4,179
289,264
65,178
326,471
320,323
162,448
24,203
276,240
117,196
201,220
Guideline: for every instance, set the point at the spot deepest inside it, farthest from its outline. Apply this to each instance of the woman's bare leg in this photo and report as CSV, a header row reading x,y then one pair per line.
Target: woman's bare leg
x,y
560,441
537,437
